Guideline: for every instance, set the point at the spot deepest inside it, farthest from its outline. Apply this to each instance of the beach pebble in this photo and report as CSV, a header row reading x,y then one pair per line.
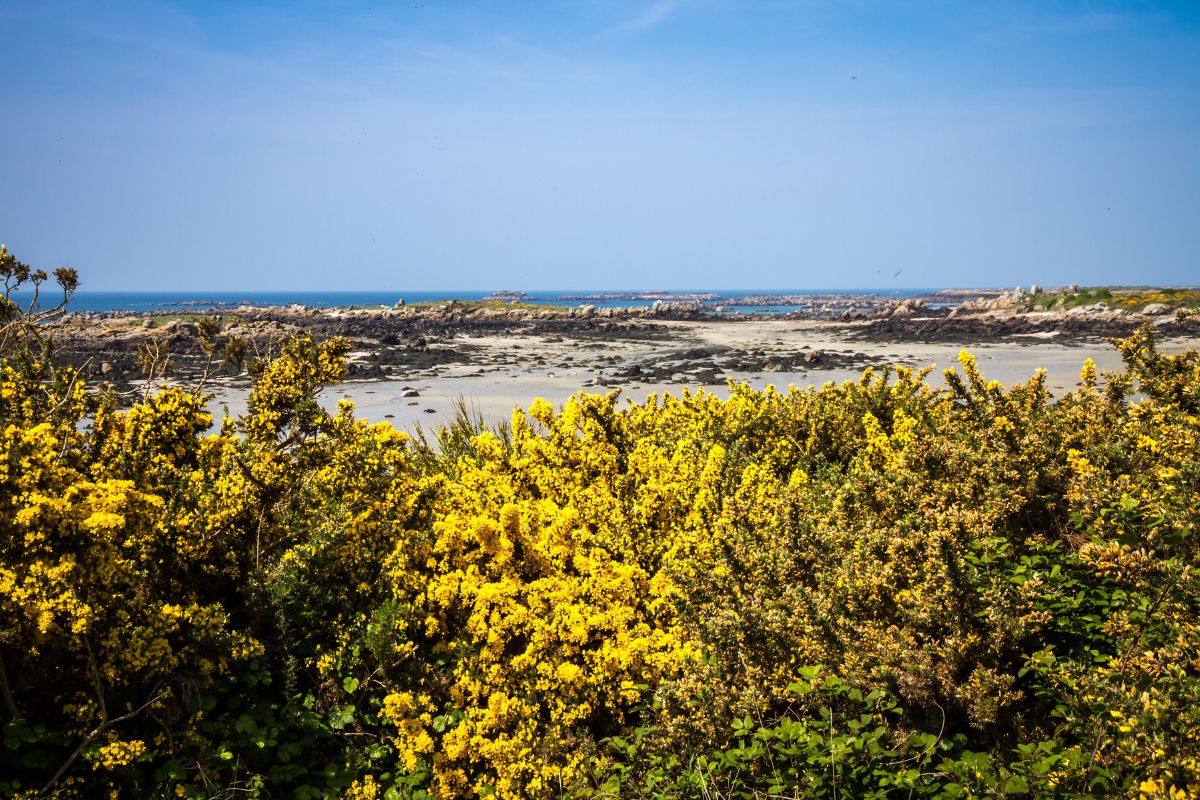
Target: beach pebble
x,y
410,393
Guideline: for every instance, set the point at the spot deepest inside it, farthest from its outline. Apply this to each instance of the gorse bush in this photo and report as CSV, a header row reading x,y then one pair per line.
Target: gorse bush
x,y
873,589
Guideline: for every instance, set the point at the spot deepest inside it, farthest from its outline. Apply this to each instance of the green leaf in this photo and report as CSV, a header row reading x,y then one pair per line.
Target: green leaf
x,y
1016,785
339,718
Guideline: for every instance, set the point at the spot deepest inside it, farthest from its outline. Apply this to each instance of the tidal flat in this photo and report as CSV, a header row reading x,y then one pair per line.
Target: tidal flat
x,y
507,372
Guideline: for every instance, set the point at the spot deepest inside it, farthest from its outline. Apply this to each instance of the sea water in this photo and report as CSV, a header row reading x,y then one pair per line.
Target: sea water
x,y
202,301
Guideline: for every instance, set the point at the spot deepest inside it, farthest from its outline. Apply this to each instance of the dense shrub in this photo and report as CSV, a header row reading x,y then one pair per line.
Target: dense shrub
x,y
878,588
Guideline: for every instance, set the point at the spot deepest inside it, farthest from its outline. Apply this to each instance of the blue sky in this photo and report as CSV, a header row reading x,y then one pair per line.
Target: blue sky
x,y
601,143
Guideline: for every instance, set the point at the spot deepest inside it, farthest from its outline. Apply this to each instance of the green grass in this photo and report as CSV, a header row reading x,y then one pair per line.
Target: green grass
x,y
162,320
1129,298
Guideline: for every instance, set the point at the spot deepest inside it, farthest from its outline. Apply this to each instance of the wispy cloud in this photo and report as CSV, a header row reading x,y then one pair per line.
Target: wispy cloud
x,y
648,18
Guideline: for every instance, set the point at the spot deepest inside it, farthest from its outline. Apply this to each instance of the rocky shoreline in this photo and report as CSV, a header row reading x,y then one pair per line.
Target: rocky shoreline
x,y
656,344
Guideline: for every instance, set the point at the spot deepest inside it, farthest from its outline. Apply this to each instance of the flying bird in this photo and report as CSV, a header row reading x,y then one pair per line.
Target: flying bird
x,y
897,275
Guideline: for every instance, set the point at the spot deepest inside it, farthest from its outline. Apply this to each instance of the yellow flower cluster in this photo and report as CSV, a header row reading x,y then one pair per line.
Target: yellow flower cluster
x,y
118,754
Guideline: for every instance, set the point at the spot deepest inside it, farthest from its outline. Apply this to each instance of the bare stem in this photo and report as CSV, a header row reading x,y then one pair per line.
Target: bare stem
x,y
10,704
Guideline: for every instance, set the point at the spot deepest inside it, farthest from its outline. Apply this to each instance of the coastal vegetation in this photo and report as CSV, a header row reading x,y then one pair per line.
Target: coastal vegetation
x,y
877,588
1115,297
162,320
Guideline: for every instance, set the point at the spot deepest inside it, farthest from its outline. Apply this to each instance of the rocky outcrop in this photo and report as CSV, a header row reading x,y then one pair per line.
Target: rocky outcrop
x,y
1070,326
709,366
903,309
1002,302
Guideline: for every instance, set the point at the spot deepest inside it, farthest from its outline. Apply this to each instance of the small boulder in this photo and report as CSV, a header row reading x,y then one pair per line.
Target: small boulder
x,y
1154,309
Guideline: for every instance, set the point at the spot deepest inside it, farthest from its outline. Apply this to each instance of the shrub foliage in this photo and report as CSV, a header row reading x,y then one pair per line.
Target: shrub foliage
x,y
873,589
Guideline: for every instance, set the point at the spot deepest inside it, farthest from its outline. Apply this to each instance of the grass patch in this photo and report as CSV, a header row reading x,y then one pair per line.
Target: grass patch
x,y
1115,297
162,320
